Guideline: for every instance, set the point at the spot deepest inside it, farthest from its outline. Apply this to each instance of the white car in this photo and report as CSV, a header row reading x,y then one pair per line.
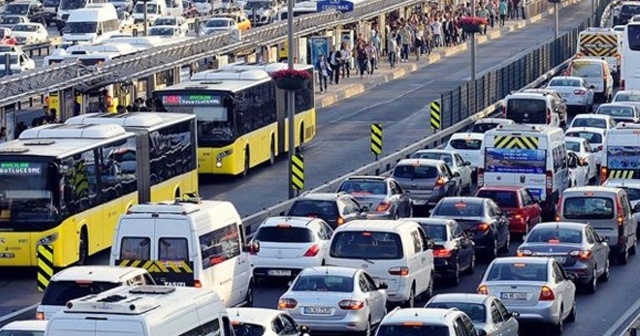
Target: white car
x,y
575,91
176,21
30,33
126,21
582,148
620,112
24,328
631,97
578,170
595,136
602,121
166,31
468,145
288,245
264,322
537,288
454,160
18,62
218,24
631,186
485,124
10,21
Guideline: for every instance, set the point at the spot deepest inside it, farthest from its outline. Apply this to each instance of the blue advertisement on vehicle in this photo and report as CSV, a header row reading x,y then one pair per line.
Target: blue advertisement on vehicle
x,y
514,160
623,157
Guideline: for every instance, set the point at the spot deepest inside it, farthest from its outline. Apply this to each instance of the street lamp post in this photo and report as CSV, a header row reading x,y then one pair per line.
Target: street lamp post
x,y
556,30
473,45
144,17
290,96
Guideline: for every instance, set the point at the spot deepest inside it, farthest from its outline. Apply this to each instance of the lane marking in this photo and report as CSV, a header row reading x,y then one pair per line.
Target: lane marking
x,y
619,322
8,317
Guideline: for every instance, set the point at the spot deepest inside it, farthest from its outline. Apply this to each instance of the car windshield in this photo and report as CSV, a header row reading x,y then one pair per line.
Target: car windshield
x,y
157,31
589,122
412,329
466,144
366,245
483,127
165,22
16,9
616,111
25,28
80,27
504,198
588,208
564,82
518,271
476,312
217,23
314,208
593,138
284,234
247,329
633,193
527,111
627,97
446,157
9,332
555,235
435,232
323,283
581,69
458,209
574,146
370,187
415,172
10,20
58,293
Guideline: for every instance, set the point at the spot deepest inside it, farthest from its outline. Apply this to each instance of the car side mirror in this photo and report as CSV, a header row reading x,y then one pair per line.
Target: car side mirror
x,y
604,239
592,87
430,244
253,246
571,277
383,285
481,332
364,209
304,330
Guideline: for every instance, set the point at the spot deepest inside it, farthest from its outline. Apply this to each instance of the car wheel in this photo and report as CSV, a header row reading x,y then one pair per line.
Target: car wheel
x,y
472,264
574,313
455,279
249,298
592,286
623,258
558,328
632,249
410,303
604,277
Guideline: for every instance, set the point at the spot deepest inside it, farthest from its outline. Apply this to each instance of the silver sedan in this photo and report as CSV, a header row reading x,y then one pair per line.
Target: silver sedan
x,y
574,90
335,299
488,314
383,196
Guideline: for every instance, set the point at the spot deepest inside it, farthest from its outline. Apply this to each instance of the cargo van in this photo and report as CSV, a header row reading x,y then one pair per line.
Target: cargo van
x,y
532,108
620,156
91,24
143,311
608,211
531,156
155,9
596,72
187,243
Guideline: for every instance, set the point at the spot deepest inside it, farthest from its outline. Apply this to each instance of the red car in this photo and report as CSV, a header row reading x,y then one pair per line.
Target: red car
x,y
518,205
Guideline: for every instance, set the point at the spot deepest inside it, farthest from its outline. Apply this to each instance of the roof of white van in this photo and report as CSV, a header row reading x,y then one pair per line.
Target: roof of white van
x,y
112,274
375,225
177,208
260,316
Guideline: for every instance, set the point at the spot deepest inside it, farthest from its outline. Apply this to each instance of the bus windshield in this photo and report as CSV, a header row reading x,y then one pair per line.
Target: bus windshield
x,y
27,202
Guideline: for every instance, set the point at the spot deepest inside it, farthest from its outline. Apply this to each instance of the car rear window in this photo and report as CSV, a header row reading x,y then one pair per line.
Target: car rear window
x,y
634,194
573,146
633,36
366,245
446,157
247,329
58,293
588,208
323,283
614,111
527,111
589,122
314,208
628,97
284,235
555,235
466,144
564,82
412,329
583,69
364,187
415,172
504,198
520,271
476,312
593,138
483,127
435,232
458,209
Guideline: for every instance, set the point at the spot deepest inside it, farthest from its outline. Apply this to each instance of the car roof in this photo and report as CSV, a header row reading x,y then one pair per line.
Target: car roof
x,y
330,270
568,77
574,138
588,60
464,199
592,116
33,325
431,316
585,129
419,162
321,196
461,297
378,225
528,95
591,189
509,188
260,316
515,260
301,222
112,274
622,183
367,177
436,151
617,104
476,136
628,92
494,120
567,225
432,221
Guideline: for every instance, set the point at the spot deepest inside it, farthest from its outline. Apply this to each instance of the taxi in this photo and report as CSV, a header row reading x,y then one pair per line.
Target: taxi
x,y
242,20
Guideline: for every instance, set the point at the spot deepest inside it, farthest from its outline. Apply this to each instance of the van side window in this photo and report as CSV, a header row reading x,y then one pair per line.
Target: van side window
x,y
220,245
417,245
173,249
423,239
211,328
135,248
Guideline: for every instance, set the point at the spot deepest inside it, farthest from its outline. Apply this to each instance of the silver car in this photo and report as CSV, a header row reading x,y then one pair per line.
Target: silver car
x,y
574,90
426,181
383,196
488,314
453,159
335,299
537,288
628,97
620,112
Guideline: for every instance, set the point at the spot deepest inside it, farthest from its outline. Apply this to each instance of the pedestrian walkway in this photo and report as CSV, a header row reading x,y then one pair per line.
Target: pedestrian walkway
x,y
353,86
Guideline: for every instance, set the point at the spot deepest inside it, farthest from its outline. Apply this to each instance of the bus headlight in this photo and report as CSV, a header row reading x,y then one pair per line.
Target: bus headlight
x,y
48,239
221,156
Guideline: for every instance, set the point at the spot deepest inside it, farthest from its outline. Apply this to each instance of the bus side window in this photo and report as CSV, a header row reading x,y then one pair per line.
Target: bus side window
x,y
79,182
118,169
173,249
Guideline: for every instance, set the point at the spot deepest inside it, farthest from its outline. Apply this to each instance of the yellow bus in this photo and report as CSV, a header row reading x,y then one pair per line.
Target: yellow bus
x,y
67,185
242,119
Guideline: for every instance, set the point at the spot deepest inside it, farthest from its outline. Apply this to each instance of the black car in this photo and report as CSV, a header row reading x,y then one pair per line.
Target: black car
x,y
480,218
334,208
32,9
453,250
627,11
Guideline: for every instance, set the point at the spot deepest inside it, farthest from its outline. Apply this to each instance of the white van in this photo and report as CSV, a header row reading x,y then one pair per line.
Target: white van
x,y
595,72
620,157
143,311
396,252
531,156
175,8
155,8
92,24
78,281
532,108
188,243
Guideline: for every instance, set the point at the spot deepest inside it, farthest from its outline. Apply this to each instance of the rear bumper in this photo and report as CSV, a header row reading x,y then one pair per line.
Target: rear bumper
x,y
430,199
444,267
273,267
517,225
353,321
582,272
545,312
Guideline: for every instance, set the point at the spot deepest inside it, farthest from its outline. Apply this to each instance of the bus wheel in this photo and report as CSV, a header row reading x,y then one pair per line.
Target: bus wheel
x,y
83,247
246,162
272,154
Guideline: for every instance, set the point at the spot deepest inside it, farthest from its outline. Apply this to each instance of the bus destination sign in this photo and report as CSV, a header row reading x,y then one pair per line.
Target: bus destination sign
x,y
191,100
20,168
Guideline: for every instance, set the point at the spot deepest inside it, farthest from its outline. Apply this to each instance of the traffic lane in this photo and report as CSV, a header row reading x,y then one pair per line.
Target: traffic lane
x,y
342,141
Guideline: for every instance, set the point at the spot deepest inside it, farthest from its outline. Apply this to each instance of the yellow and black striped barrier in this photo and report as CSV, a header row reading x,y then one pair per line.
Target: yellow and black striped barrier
x,y
158,266
376,139
603,45
297,172
515,142
436,115
44,254
621,174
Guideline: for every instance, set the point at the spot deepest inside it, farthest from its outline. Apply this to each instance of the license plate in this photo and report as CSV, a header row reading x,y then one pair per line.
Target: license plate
x,y
282,273
317,310
561,260
513,296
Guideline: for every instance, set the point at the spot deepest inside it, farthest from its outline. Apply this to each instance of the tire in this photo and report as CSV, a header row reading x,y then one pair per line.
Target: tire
x,y
472,264
411,302
604,277
623,258
368,330
428,294
574,313
247,163
249,298
558,328
83,247
592,286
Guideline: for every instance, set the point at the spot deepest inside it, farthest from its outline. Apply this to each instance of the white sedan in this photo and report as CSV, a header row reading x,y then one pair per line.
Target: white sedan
x,y
176,21
468,145
453,160
602,121
578,170
218,24
583,149
627,97
595,136
30,33
166,31
264,322
574,90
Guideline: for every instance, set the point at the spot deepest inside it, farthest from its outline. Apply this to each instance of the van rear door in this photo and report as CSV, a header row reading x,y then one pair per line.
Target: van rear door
x,y
173,248
72,327
622,156
594,208
119,328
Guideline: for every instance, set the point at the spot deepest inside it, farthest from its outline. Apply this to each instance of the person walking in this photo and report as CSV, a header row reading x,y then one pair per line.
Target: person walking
x,y
392,49
361,57
324,72
335,60
345,53
372,56
405,42
503,10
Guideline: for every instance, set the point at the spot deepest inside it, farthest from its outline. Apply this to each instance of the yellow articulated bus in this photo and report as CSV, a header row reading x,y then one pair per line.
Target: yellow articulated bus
x,y
67,185
242,116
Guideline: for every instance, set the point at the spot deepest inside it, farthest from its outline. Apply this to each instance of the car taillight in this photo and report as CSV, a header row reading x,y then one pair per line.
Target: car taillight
x,y
252,249
40,316
581,254
548,115
579,92
340,220
440,182
558,209
383,206
400,270
351,304
482,289
480,177
603,174
197,284
442,253
599,148
549,184
546,294
620,212
287,303
524,253
312,251
483,227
